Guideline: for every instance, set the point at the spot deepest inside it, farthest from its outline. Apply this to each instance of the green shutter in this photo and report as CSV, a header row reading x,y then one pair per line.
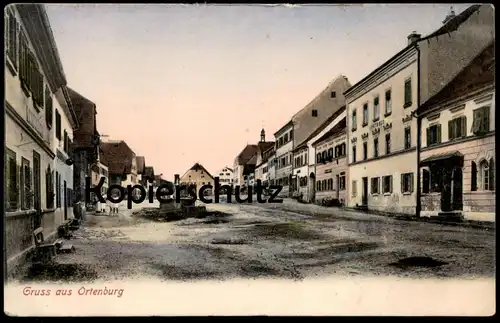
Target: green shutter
x,y
450,130
402,183
492,174
438,134
411,183
463,126
485,119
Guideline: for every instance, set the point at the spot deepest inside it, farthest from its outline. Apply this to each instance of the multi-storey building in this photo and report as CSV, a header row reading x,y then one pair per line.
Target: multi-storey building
x,y
283,163
196,177
457,157
331,165
34,80
239,164
122,163
225,176
382,130
307,172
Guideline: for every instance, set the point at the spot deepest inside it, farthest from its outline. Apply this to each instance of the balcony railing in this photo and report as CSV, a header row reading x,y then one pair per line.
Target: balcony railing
x,y
37,123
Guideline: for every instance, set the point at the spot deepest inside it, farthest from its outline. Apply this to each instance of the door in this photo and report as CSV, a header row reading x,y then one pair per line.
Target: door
x,y
65,201
37,198
457,192
364,196
446,191
337,188
312,187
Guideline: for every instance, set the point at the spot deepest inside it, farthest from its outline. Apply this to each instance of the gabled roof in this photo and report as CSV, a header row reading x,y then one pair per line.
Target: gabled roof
x,y
247,153
480,72
149,171
198,166
288,124
118,156
318,130
141,163
448,27
252,161
265,145
338,129
85,114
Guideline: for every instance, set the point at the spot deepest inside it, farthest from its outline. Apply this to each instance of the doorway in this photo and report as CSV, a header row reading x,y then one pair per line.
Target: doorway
x,y
364,196
65,201
452,191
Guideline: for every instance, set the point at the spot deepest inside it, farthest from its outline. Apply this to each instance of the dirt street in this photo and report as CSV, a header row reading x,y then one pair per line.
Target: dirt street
x,y
288,240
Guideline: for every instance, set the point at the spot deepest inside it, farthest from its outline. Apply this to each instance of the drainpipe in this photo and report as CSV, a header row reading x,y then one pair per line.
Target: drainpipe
x,y
419,133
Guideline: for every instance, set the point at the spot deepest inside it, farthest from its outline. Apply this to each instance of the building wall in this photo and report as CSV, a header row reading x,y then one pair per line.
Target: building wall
x,y
262,172
225,176
283,171
197,177
300,170
271,173
238,173
330,170
479,204
306,123
399,160
446,55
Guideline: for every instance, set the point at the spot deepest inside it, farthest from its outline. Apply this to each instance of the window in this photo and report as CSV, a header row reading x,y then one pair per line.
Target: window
x,y
324,185
330,184
457,128
324,156
407,93
11,37
375,148
49,188
340,150
365,150
353,154
314,113
330,153
318,186
375,185
354,189
473,173
291,134
407,138
407,183
376,109
354,120
481,120
58,125
486,175
365,114
387,184
387,143
388,103
286,138
280,142
342,181
434,135
26,197
305,160
48,108
11,182
318,158
333,94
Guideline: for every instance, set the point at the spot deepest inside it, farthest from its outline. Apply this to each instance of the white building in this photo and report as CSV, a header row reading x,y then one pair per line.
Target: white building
x,y
284,147
306,172
225,176
31,87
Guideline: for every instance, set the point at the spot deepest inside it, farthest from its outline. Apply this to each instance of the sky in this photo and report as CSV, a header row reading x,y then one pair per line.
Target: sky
x,y
195,83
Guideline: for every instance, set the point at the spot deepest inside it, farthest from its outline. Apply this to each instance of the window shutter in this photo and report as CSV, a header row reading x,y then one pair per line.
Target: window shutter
x,y
390,184
492,175
411,183
402,183
486,119
13,189
450,129
428,139
463,125
473,177
438,133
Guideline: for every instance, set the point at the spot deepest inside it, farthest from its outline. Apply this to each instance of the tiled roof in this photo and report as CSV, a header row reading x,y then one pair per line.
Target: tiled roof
x,y
252,161
198,166
118,156
85,111
247,153
330,119
141,163
265,145
336,130
480,72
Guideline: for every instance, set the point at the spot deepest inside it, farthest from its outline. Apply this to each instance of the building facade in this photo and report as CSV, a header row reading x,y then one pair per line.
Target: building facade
x,y
331,166
284,156
382,136
197,176
239,164
457,157
225,176
307,187
31,85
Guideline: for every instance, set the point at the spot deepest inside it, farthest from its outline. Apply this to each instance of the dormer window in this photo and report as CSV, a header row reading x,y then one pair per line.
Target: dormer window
x,y
333,94
314,113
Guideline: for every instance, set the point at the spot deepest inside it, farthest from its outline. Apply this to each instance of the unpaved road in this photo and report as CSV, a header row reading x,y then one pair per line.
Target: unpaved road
x,y
286,240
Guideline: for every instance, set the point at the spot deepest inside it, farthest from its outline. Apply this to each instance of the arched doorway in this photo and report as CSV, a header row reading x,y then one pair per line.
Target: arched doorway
x,y
312,187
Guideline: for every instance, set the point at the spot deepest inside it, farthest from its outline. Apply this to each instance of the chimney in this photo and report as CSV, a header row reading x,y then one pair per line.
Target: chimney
x,y
413,37
450,16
